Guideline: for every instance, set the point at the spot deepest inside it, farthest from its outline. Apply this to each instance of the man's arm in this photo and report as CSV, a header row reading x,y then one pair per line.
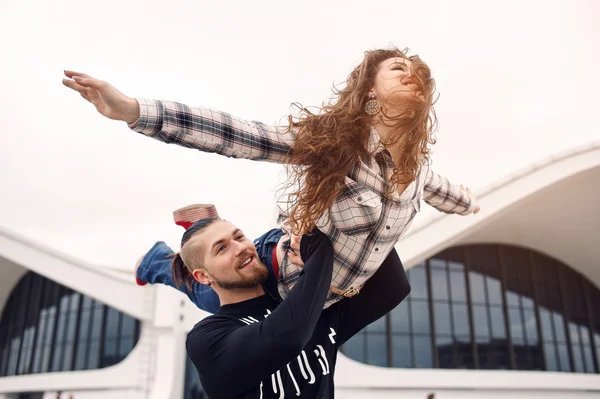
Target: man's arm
x,y
447,197
241,357
381,293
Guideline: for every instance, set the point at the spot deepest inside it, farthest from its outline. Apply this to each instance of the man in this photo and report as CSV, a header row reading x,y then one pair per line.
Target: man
x,y
155,266
257,346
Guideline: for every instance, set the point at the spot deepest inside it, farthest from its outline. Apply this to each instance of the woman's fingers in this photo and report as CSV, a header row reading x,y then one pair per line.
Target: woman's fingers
x,y
71,84
295,259
72,74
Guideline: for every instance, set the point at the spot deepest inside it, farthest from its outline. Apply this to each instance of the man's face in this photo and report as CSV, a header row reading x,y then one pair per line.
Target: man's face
x,y
230,260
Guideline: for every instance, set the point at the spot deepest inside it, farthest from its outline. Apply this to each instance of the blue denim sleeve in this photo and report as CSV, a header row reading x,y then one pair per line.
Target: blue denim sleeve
x,y
156,268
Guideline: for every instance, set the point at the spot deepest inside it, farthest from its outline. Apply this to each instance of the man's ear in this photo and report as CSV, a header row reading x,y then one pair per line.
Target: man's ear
x,y
201,276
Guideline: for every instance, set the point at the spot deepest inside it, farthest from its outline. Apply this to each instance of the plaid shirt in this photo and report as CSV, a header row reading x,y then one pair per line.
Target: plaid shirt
x,y
363,226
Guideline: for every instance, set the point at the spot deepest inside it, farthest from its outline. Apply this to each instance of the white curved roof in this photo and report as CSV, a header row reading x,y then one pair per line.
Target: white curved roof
x,y
552,206
116,289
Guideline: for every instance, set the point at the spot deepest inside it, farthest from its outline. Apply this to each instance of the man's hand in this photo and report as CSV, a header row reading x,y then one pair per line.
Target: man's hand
x,y
473,199
109,101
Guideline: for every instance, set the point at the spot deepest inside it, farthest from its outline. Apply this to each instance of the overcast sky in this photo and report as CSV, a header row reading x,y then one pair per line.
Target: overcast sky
x,y
518,82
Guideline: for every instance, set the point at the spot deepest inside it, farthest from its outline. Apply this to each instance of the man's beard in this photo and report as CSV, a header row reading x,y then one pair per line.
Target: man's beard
x,y
259,275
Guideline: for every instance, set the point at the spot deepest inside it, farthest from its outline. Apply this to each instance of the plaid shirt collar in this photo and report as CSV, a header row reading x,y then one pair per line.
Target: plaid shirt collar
x,y
375,145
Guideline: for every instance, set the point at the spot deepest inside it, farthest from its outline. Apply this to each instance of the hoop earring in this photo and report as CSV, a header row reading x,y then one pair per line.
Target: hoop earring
x,y
372,107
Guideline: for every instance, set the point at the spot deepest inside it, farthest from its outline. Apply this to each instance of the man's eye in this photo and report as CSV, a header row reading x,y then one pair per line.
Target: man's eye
x,y
220,249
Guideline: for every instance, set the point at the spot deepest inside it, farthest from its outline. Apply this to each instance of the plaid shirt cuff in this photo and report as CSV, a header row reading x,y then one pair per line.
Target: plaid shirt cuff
x,y
470,208
150,117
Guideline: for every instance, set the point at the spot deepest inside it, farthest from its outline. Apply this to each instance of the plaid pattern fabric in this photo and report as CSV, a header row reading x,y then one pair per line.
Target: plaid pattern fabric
x,y
363,225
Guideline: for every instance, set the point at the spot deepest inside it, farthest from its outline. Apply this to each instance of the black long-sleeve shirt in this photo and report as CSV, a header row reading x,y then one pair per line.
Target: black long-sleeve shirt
x,y
262,348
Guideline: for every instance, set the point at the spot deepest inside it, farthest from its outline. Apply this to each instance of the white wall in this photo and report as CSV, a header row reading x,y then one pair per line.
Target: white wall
x,y
461,394
9,277
97,394
351,375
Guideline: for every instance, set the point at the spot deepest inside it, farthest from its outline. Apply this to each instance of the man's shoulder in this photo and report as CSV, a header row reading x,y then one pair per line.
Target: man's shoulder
x,y
208,331
211,323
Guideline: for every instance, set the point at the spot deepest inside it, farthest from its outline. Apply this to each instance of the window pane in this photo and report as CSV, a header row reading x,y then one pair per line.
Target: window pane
x,y
537,357
442,318
464,353
39,345
400,318
418,282
84,339
498,326
574,334
461,320
458,288
483,350
354,348
477,288
125,346
439,284
110,353
376,350
423,352
112,324
94,358
480,323
458,266
45,366
577,358
530,326
550,353
563,356
527,302
445,349
546,322
588,358
401,350
80,359
128,326
516,327
437,263
420,317
377,326
500,356
97,322
513,299
597,344
60,334
494,291
71,327
584,334
559,327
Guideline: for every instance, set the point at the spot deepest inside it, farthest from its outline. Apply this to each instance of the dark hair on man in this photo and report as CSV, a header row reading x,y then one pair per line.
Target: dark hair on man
x,y
182,272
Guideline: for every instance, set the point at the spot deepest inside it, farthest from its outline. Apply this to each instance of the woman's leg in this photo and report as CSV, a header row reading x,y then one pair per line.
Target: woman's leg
x,y
155,268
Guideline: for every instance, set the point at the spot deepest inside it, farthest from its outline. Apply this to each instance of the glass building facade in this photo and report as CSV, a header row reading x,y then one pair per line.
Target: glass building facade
x,y
488,307
47,327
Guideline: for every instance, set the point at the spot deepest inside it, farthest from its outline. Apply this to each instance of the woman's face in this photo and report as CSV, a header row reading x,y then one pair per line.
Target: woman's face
x,y
394,82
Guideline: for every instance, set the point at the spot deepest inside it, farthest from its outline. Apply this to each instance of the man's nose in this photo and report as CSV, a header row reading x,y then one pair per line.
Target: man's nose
x,y
240,248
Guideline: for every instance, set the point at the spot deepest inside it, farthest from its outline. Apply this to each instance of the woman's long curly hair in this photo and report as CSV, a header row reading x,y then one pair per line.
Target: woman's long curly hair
x,y
329,144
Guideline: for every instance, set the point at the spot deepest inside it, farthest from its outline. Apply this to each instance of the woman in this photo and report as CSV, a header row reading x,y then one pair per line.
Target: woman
x,y
360,166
